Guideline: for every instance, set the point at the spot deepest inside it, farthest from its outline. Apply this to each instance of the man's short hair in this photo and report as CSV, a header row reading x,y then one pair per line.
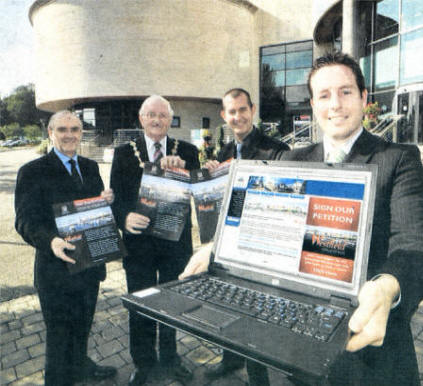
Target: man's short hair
x,y
235,93
331,59
152,98
59,115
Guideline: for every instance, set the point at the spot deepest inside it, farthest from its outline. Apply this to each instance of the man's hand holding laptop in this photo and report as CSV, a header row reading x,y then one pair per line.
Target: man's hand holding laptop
x,y
368,323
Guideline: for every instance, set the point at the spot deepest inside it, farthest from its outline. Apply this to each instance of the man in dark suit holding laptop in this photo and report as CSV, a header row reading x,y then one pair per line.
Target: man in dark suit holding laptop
x,y
150,256
380,350
67,301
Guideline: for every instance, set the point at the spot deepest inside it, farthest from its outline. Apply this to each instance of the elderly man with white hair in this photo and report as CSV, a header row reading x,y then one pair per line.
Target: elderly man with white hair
x,y
150,260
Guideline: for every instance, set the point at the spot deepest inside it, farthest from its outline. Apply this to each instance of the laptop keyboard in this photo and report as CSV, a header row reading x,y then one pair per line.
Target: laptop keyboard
x,y
315,321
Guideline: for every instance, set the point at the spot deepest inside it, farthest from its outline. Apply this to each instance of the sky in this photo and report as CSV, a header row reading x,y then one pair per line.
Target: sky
x,y
16,45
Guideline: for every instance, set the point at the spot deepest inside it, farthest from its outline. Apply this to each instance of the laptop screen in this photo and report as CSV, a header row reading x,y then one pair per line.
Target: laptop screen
x,y
303,226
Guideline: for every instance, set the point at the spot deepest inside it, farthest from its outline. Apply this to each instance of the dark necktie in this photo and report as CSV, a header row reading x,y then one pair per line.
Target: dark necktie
x,y
158,152
75,175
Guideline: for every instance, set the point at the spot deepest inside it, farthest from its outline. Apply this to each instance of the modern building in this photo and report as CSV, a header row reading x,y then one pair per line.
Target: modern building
x,y
102,59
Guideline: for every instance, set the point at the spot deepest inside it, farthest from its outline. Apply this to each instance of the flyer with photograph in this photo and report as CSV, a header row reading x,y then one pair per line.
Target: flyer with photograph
x,y
165,198
90,226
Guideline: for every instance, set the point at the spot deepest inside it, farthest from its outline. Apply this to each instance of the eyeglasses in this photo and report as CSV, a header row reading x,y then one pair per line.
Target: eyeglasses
x,y
152,115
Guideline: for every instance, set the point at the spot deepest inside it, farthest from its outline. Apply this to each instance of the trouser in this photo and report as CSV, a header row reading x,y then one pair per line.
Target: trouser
x,y
158,264
68,316
257,373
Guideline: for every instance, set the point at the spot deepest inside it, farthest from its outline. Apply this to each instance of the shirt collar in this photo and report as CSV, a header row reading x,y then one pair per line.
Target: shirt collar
x,y
346,146
149,143
64,158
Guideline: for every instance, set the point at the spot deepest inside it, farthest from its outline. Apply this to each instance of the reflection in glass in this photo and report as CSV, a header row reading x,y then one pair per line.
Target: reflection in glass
x,y
294,77
412,14
279,77
385,64
299,59
275,62
297,94
411,57
365,65
384,101
387,18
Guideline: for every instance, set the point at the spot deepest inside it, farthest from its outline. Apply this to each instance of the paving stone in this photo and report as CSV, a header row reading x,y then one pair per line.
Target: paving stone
x,y
110,348
95,355
116,310
119,319
7,376
101,305
42,335
201,355
33,328
37,350
14,358
114,301
7,349
33,318
190,341
36,379
15,324
112,333
30,367
4,327
6,317
114,360
125,355
102,315
10,336
124,339
99,340
28,341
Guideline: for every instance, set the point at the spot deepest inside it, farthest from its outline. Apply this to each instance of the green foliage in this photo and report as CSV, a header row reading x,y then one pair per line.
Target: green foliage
x,y
32,131
43,146
19,107
12,130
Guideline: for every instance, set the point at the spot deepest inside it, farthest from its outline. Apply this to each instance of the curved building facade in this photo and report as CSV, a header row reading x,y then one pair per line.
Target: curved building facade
x,y
102,59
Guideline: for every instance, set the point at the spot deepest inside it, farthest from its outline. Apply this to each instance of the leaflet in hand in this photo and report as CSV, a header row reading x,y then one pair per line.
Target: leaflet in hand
x,y
165,197
90,226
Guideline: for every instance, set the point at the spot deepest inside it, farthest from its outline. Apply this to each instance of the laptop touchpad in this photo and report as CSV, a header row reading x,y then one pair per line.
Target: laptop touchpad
x,y
210,317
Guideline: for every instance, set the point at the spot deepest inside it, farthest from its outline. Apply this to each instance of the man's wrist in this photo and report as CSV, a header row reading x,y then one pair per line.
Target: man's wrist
x,y
390,287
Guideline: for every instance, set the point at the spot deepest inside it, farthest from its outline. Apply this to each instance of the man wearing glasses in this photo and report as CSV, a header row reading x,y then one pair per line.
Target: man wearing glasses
x,y
150,260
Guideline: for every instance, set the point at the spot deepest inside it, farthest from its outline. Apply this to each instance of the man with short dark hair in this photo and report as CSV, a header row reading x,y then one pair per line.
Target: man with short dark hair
x,y
67,301
150,260
381,349
249,143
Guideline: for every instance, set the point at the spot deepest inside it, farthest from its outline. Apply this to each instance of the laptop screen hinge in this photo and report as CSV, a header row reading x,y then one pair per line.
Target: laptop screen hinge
x,y
340,301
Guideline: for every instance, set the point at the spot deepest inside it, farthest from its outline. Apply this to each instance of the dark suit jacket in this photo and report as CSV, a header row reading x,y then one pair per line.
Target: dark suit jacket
x,y
125,181
396,245
40,184
256,146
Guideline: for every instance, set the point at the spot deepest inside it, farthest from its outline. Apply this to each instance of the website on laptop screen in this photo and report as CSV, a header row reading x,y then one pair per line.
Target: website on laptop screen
x,y
303,224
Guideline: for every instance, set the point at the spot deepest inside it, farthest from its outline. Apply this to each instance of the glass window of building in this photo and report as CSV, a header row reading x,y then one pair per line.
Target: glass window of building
x,y
411,57
412,14
387,18
385,64
283,78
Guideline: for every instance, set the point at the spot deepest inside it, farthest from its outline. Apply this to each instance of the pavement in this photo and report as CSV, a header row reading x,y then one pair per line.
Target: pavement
x,y
22,330
23,342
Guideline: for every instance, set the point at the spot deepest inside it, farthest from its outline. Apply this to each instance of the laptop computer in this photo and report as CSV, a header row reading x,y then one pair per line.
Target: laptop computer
x,y
289,257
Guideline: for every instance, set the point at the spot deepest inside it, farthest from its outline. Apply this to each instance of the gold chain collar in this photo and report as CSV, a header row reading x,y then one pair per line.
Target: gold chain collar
x,y
174,151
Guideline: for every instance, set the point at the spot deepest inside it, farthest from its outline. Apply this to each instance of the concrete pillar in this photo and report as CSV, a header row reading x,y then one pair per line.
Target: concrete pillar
x,y
349,27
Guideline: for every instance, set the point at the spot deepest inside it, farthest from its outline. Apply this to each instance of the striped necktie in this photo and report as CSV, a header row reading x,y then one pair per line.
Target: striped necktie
x,y
336,156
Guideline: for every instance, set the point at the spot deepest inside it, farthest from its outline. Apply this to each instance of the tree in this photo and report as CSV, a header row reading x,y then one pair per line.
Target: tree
x,y
32,131
20,107
12,130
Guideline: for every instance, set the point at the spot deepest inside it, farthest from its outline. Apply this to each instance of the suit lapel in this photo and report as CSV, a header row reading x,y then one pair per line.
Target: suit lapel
x,y
316,153
363,149
142,148
170,143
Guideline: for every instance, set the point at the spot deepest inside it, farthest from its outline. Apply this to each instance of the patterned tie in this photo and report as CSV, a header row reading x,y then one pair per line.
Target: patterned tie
x,y
158,152
238,150
336,156
75,175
